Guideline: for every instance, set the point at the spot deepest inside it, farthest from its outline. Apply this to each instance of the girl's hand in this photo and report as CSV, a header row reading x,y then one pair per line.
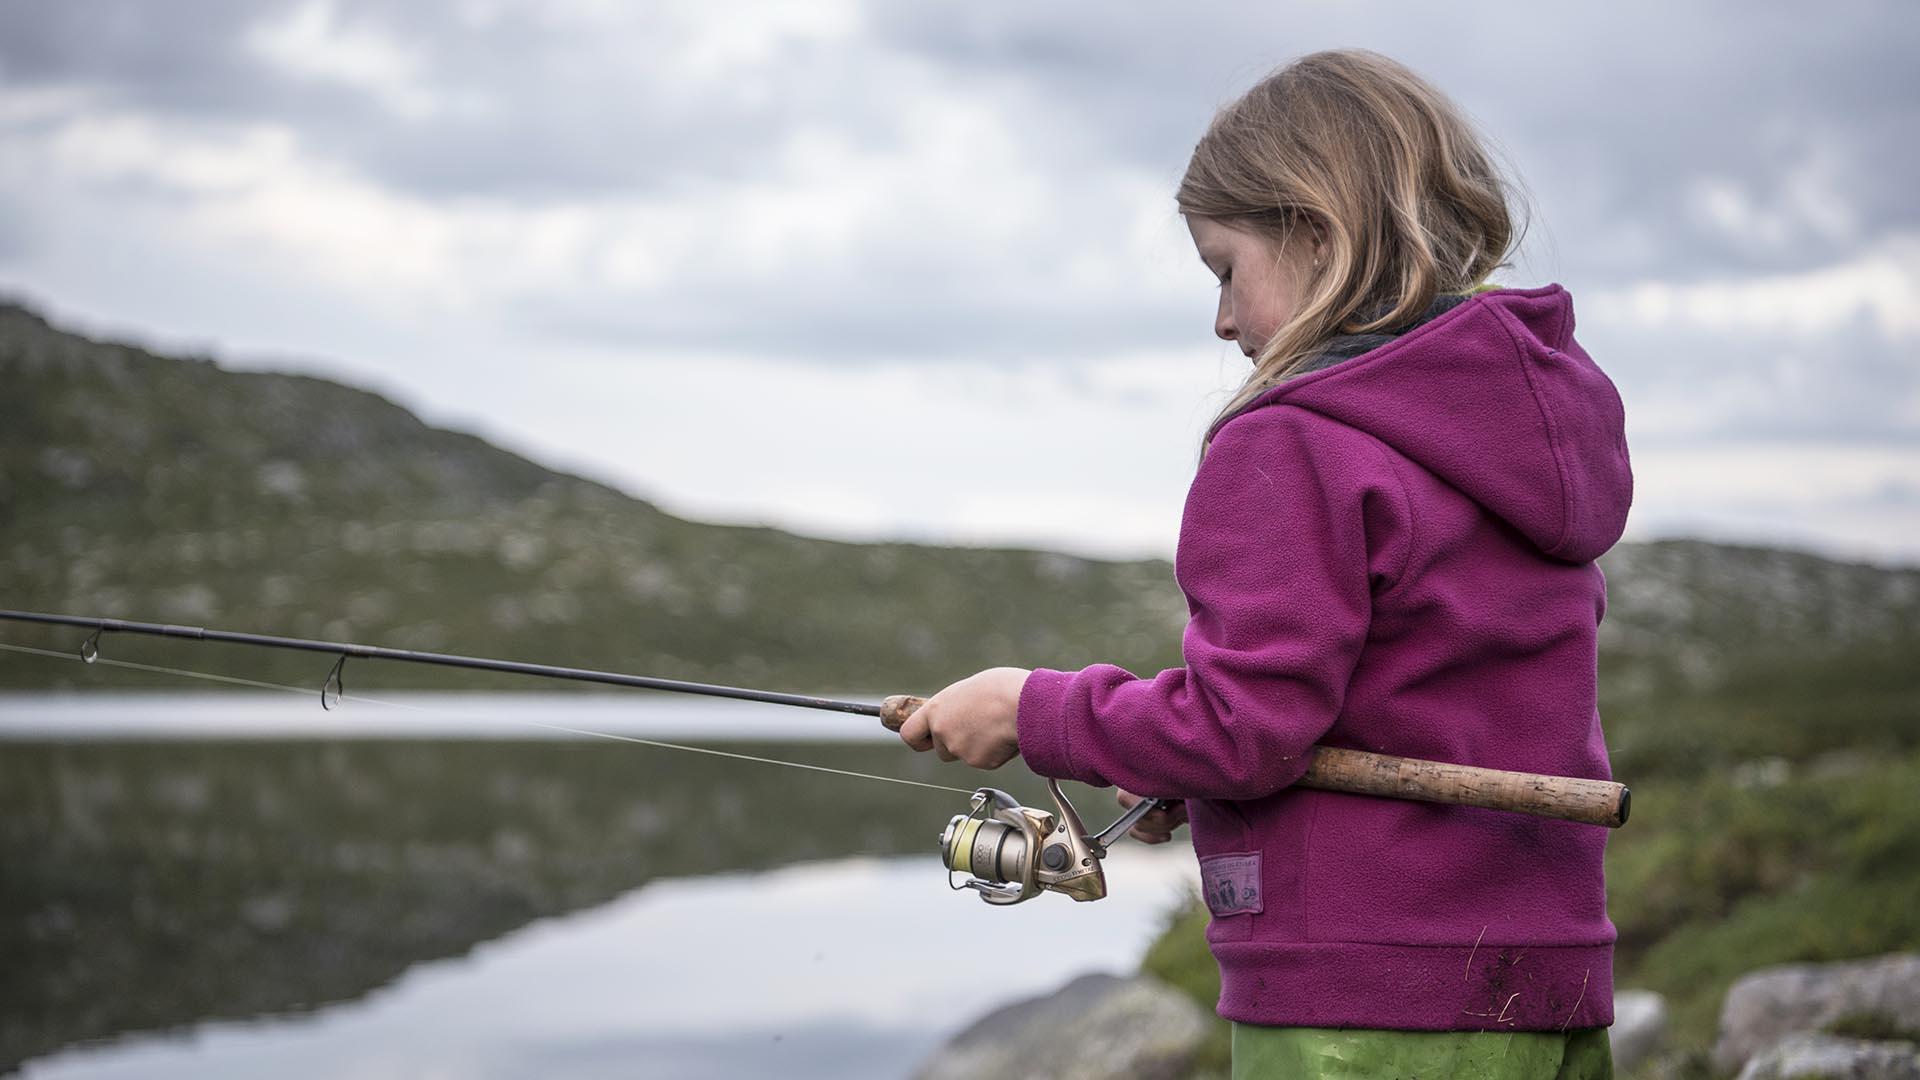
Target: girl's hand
x,y
972,720
1157,827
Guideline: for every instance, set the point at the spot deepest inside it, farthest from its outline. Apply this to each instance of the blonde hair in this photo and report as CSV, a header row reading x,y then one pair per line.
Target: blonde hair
x,y
1397,181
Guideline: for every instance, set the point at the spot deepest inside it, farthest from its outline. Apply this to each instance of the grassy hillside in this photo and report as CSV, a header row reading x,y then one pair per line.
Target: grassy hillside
x,y
144,486
166,488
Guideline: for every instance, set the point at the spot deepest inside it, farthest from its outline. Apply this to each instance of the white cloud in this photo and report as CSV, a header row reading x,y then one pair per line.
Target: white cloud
x,y
255,195
109,148
1734,473
21,106
755,33
943,453
1845,501
312,41
1880,284
851,238
1810,202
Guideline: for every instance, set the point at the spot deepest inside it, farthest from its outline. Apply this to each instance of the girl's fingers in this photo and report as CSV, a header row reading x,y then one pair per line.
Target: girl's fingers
x,y
955,725
915,732
1160,822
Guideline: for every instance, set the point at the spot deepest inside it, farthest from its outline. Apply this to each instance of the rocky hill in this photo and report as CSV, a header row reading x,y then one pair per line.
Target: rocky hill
x,y
170,488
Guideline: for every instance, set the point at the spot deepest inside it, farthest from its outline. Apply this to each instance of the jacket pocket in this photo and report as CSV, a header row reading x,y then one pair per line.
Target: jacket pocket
x,y
1262,845
1230,865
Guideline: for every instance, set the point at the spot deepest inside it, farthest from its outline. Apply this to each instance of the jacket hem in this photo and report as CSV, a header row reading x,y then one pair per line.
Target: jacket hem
x,y
1417,987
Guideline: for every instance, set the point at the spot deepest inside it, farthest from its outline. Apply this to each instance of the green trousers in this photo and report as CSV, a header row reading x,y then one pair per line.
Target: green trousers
x,y
1299,1053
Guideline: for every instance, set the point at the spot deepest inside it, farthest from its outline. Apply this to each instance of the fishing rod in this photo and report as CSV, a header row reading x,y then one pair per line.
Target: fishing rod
x,y
329,695
1010,852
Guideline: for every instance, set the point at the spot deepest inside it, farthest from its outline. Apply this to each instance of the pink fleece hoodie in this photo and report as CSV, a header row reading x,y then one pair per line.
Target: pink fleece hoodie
x,y
1394,553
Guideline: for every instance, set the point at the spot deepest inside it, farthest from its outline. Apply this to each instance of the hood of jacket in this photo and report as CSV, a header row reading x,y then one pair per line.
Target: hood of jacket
x,y
1494,397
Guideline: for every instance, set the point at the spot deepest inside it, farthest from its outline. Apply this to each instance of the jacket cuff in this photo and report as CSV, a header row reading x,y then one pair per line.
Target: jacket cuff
x,y
1040,724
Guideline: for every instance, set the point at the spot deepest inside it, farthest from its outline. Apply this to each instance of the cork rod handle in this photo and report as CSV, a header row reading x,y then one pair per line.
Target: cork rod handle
x,y
1567,798
895,710
1360,772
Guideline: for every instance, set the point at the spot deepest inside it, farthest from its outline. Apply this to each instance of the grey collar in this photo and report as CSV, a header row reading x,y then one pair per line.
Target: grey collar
x,y
1347,346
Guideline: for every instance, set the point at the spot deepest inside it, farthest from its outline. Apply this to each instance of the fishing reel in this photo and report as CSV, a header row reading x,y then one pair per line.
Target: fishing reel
x,y
1015,852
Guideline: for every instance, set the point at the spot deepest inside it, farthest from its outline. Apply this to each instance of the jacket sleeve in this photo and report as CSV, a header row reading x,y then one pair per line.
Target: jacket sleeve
x,y
1291,522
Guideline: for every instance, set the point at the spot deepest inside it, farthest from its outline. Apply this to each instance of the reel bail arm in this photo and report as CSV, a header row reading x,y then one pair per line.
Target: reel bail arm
x,y
1014,853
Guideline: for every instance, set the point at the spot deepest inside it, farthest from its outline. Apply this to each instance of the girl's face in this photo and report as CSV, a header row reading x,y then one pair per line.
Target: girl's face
x,y
1260,280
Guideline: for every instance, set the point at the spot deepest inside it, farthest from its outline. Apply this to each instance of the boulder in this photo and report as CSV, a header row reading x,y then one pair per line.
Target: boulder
x,y
1867,997
1639,1022
1830,1057
1094,1028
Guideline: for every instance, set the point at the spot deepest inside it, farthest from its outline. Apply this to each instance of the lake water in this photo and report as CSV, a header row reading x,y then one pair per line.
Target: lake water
x,y
400,713
220,885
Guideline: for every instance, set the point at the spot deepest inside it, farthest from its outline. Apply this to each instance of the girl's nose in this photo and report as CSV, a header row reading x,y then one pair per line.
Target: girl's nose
x,y
1223,322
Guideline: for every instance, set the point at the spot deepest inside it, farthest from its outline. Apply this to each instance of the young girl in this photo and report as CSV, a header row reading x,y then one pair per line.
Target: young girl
x,y
1388,545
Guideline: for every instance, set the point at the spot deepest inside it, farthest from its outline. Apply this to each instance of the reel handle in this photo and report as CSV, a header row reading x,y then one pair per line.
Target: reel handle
x,y
1362,772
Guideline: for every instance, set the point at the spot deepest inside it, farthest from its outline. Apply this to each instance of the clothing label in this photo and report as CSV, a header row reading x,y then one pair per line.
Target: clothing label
x,y
1231,884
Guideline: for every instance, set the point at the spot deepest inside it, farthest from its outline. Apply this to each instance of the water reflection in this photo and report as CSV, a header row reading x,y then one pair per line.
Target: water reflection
x,y
846,968
166,883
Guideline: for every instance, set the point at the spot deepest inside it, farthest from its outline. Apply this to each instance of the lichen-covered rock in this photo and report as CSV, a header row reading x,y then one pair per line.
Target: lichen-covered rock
x,y
1830,1057
1867,997
1095,1028
1639,1022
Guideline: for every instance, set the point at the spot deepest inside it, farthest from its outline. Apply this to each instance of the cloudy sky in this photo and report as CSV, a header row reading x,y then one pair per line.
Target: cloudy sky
x,y
888,269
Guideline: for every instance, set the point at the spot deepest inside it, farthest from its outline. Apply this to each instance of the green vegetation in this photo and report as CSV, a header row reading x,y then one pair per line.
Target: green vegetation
x,y
1180,958
149,487
1872,1025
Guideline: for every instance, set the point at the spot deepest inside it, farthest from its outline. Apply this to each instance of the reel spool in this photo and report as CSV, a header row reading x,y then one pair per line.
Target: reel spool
x,y
1013,853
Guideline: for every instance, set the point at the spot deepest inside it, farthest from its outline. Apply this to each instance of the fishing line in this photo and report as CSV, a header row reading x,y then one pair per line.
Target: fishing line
x,y
1010,852
441,711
